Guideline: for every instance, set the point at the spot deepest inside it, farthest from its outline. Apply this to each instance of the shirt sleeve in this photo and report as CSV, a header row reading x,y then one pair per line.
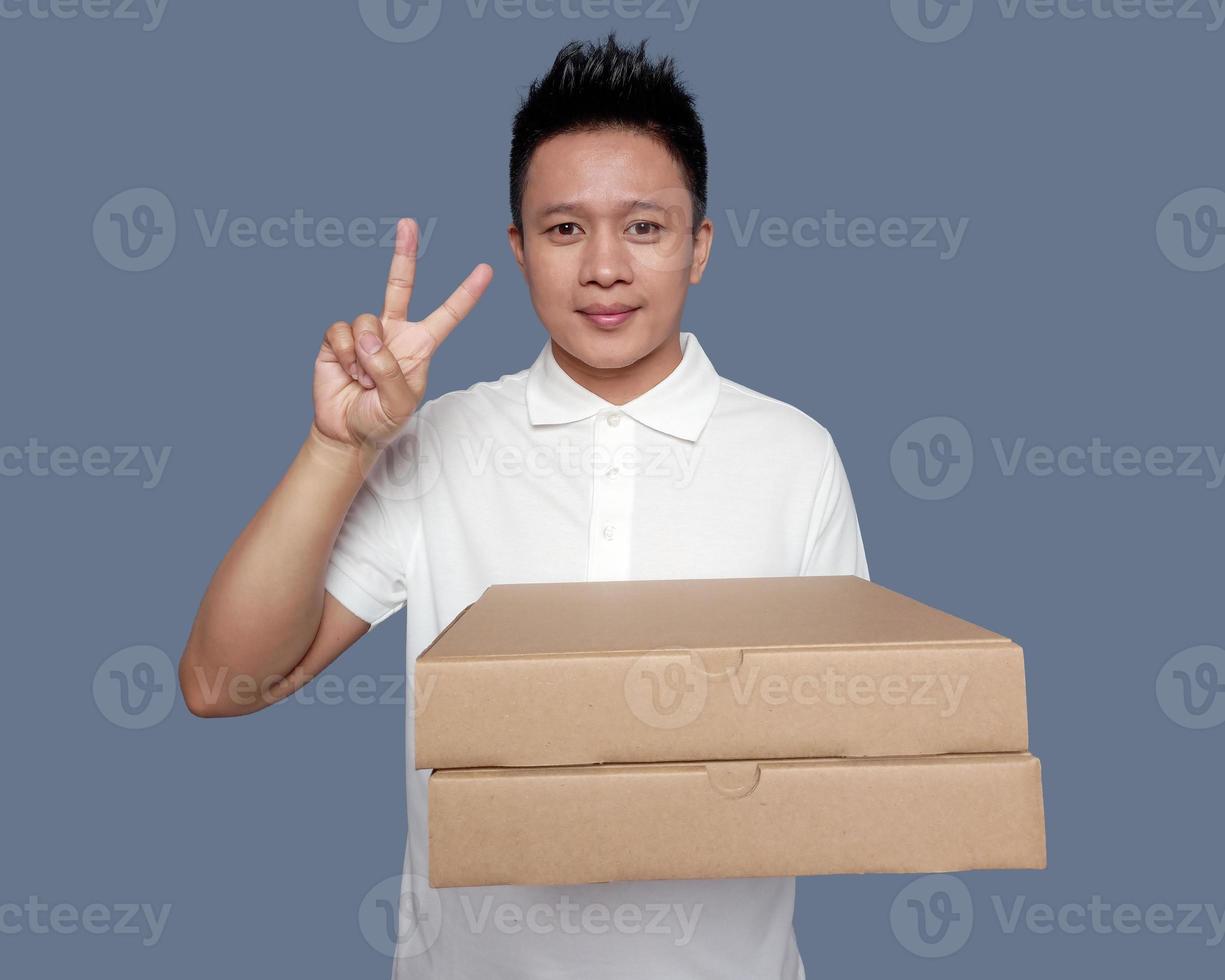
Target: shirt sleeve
x,y
834,545
364,571
368,568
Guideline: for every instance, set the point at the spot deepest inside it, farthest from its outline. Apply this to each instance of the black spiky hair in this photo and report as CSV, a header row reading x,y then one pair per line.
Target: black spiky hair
x,y
598,85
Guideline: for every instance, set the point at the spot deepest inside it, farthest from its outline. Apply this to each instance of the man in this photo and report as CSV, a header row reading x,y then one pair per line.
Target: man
x,y
620,453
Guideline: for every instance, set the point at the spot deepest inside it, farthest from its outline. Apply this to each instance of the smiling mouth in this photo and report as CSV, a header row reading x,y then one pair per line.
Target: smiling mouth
x,y
610,319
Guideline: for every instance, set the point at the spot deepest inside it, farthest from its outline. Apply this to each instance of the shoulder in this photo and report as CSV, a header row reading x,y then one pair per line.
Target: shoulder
x,y
475,406
782,424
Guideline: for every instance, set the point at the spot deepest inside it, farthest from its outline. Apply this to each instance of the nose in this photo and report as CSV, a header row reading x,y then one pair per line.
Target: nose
x,y
606,259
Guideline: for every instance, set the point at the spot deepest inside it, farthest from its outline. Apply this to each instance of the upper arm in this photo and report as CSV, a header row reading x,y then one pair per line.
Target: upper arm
x,y
834,545
366,579
338,630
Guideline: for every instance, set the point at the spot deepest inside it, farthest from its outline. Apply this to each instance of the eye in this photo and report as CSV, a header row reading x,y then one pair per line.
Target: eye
x,y
564,224
650,225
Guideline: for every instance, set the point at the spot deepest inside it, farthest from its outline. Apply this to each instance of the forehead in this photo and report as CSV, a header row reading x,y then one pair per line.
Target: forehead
x,y
600,169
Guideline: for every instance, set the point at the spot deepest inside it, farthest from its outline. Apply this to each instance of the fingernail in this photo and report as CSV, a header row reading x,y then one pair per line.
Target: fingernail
x,y
367,380
370,342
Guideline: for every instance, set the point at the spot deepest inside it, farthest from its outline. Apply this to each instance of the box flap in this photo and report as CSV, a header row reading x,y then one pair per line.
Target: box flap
x,y
728,614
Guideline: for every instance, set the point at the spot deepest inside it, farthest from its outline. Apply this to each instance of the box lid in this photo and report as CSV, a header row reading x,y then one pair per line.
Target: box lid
x,y
573,673
542,618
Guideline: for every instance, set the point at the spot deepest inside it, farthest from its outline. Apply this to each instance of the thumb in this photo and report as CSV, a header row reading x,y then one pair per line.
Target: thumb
x,y
376,360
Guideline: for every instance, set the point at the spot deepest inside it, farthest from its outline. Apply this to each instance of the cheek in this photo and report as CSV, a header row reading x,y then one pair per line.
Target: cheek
x,y
666,264
550,274
663,289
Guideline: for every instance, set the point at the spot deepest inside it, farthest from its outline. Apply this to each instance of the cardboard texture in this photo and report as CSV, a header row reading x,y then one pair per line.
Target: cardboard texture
x,y
575,673
568,825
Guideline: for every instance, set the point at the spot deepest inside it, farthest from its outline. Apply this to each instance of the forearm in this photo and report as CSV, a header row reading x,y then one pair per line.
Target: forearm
x,y
263,606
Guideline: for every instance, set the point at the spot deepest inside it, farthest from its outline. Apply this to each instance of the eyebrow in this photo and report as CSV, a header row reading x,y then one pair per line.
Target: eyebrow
x,y
574,207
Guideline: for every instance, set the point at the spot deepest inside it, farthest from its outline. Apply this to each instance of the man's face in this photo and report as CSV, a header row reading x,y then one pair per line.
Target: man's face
x,y
608,222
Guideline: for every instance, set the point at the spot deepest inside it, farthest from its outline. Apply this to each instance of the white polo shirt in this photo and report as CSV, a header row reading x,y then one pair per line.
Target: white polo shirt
x,y
534,478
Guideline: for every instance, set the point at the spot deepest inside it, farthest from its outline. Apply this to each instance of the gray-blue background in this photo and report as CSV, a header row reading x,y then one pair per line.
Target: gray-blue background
x,y
1066,314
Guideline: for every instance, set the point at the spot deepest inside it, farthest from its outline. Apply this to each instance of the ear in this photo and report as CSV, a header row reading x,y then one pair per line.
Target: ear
x,y
702,243
516,246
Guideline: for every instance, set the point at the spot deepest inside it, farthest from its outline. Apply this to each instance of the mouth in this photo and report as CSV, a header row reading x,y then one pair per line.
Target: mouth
x,y
608,317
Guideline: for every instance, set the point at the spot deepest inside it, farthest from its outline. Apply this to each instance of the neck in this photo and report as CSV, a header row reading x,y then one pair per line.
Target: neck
x,y
623,384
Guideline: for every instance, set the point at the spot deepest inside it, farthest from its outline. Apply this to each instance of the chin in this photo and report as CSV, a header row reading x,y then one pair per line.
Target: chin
x,y
608,348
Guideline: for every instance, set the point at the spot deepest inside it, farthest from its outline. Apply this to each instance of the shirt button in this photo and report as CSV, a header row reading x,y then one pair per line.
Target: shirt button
x,y
609,531
614,418
612,472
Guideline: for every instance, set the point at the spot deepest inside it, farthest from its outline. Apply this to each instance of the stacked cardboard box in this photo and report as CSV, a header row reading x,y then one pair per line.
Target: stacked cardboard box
x,y
709,728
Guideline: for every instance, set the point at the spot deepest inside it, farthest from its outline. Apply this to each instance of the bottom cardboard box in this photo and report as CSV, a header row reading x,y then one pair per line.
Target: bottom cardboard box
x,y
581,824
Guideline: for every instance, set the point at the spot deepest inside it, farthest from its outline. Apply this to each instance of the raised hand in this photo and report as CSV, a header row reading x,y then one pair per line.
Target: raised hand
x,y
370,375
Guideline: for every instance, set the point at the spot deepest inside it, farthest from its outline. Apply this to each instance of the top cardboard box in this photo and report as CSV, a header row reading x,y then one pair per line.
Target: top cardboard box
x,y
668,670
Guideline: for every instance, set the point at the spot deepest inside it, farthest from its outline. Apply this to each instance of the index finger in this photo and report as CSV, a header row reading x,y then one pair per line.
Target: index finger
x,y
403,271
459,304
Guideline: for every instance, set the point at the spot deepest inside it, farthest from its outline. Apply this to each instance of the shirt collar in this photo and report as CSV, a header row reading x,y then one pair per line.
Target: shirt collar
x,y
679,405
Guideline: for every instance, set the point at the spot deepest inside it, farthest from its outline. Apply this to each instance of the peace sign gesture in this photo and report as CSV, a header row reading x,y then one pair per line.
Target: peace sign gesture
x,y
370,375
